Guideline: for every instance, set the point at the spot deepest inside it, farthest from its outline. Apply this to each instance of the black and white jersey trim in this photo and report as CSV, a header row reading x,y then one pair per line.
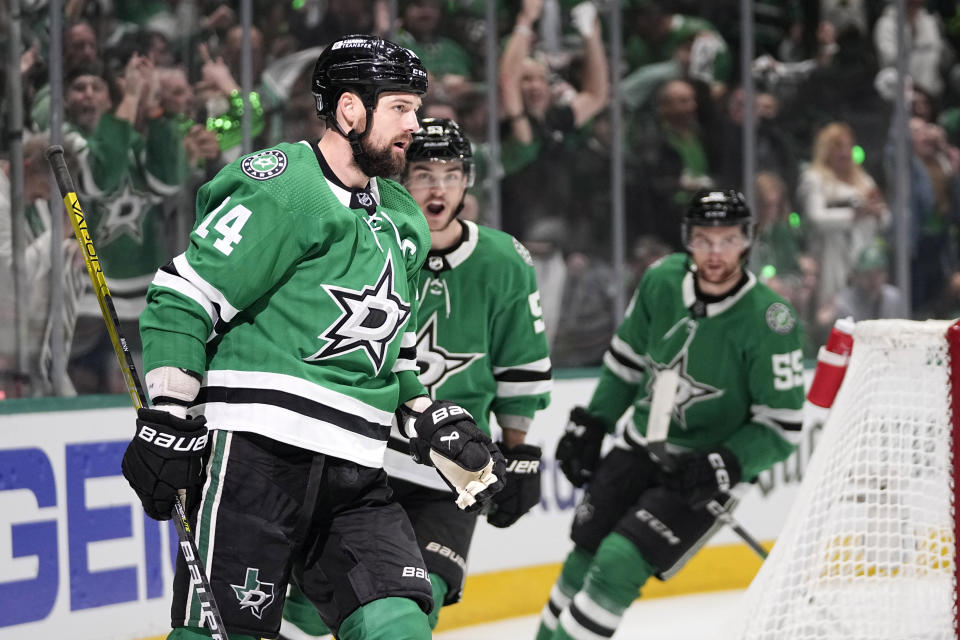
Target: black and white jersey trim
x,y
179,276
528,379
296,411
407,357
624,362
295,403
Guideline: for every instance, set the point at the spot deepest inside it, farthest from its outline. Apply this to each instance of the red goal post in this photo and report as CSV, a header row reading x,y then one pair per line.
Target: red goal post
x,y
869,548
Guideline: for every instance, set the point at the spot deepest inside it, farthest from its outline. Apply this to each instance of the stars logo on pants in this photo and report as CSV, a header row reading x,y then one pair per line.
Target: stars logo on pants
x,y
370,319
254,595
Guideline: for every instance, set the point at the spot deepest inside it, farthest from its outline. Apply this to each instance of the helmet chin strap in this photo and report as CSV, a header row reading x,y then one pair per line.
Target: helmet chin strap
x,y
353,137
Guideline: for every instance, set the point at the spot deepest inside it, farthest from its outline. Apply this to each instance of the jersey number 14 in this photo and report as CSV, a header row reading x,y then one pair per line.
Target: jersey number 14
x,y
228,226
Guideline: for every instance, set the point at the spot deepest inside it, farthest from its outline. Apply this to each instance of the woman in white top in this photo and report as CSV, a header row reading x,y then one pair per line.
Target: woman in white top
x,y
844,207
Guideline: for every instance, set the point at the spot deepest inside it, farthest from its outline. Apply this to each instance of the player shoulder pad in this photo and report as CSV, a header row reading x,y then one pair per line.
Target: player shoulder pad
x,y
666,267
502,245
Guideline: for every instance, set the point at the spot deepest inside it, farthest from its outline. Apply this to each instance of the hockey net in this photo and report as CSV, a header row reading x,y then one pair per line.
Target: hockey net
x,y
868,550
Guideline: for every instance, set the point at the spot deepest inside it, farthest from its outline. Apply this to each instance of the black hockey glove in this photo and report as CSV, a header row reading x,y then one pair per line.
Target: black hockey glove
x,y
165,455
522,490
447,437
701,476
578,450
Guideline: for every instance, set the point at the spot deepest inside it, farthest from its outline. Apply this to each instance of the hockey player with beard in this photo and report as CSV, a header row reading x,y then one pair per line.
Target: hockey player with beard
x,y
287,329
731,347
480,343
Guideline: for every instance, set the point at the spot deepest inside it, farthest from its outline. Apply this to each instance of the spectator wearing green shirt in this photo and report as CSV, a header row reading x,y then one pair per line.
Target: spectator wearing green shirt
x,y
448,64
673,157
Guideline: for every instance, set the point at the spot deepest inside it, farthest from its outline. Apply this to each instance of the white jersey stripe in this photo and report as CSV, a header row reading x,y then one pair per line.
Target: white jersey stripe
x,y
296,429
627,374
409,339
793,437
186,289
405,365
514,389
298,387
626,352
541,366
780,415
227,310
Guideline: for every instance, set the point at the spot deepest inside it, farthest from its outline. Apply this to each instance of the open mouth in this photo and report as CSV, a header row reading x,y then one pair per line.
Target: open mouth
x,y
436,208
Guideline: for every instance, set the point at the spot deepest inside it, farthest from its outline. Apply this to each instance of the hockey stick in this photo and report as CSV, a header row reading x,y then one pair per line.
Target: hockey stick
x,y
658,426
208,606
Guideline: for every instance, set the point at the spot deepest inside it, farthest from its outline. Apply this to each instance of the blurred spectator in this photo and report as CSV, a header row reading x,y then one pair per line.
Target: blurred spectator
x,y
578,300
131,162
817,319
778,238
38,378
654,33
541,116
869,296
80,48
934,212
645,252
674,158
772,151
318,22
847,14
928,52
841,88
448,64
843,205
222,103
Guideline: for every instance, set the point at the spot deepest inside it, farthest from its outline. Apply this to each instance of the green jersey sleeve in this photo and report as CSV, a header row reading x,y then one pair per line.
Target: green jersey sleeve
x,y
243,245
774,371
623,368
519,353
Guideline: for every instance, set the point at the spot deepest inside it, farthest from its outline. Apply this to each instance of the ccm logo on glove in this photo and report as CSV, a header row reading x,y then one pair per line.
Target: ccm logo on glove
x,y
169,441
720,469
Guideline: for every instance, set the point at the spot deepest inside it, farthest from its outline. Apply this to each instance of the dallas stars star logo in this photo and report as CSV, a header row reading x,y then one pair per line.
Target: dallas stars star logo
x,y
254,595
370,319
689,390
436,363
123,215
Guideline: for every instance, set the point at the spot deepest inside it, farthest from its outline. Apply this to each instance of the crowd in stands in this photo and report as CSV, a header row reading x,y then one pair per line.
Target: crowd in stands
x,y
153,108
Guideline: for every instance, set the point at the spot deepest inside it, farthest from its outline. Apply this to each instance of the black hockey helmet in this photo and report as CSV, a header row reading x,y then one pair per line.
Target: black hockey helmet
x,y
440,139
717,208
365,65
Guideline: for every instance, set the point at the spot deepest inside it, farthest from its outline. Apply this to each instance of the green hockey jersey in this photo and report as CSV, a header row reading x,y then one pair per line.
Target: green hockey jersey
x,y
299,309
480,340
738,359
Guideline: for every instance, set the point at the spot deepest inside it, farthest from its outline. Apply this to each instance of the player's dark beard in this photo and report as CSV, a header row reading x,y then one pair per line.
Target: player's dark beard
x,y
381,161
731,275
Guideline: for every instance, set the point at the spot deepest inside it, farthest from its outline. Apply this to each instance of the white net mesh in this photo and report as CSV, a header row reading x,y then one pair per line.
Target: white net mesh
x,y
867,552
